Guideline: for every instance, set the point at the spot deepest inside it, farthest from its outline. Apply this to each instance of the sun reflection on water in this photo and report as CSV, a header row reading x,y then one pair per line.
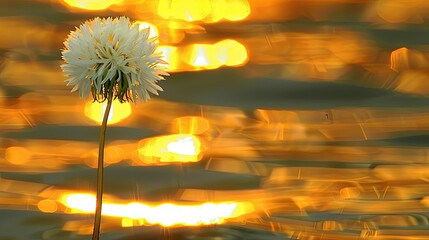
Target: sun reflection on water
x,y
164,214
204,10
92,4
118,112
314,111
227,52
170,149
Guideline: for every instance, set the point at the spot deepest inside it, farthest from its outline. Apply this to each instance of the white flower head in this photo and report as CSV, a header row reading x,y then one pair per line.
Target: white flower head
x,y
112,55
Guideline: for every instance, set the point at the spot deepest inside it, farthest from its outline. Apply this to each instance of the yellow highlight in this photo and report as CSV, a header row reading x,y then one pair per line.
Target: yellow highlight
x,y
118,112
188,10
395,11
231,52
166,214
170,148
47,206
17,155
170,55
227,52
191,125
83,202
233,10
210,56
202,55
91,4
153,30
204,10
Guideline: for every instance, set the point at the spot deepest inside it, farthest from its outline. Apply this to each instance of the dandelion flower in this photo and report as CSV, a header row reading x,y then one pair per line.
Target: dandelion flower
x,y
112,59
111,54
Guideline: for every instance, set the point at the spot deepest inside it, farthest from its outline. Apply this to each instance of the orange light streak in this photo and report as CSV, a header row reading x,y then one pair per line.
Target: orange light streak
x,y
165,214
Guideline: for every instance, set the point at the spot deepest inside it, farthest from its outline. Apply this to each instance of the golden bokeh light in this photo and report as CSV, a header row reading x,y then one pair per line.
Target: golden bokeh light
x,y
231,52
80,202
173,32
217,11
153,30
164,214
197,57
204,10
235,10
118,112
201,56
171,56
18,155
281,119
170,149
395,11
47,206
92,4
190,125
211,56
187,10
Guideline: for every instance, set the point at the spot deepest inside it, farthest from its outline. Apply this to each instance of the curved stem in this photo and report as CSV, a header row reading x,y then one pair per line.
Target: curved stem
x,y
100,168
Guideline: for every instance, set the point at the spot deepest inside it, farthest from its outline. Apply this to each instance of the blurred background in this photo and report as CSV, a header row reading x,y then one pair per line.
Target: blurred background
x,y
281,119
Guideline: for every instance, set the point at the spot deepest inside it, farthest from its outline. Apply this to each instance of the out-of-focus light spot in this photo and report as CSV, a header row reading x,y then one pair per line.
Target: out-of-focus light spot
x,y
211,56
118,112
189,27
183,146
32,101
127,222
235,10
173,34
202,55
171,148
17,155
231,52
153,30
166,214
47,206
190,125
170,55
81,202
92,4
197,57
218,11
114,154
188,10
204,10
395,11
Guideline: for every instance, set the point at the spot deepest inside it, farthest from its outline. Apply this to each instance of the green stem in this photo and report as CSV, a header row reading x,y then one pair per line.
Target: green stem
x,y
100,168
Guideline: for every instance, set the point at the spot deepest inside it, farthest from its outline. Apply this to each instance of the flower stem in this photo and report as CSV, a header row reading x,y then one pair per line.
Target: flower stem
x,y
100,168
